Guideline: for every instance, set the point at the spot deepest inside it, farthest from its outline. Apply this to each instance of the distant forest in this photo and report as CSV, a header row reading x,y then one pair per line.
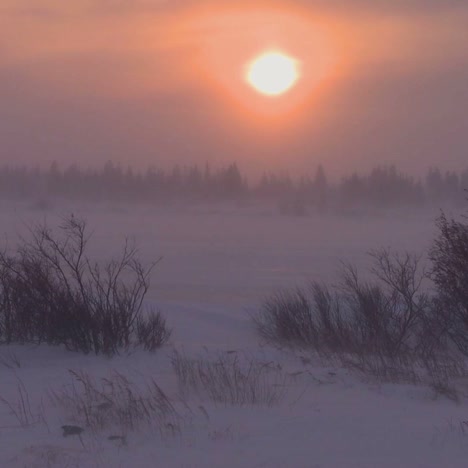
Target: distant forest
x,y
381,187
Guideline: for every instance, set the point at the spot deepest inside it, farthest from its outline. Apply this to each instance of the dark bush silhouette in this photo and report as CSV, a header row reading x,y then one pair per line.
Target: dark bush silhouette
x,y
386,316
449,256
52,292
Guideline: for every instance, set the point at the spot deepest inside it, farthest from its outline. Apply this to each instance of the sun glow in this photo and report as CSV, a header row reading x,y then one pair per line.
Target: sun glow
x,y
273,73
262,63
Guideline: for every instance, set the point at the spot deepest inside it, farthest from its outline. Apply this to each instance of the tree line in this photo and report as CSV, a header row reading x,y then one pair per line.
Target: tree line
x,y
383,186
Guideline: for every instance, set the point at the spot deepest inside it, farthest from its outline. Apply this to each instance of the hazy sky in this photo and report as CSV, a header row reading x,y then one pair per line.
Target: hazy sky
x,y
162,81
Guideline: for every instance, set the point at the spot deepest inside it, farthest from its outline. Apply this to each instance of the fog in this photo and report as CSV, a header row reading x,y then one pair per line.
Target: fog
x,y
228,255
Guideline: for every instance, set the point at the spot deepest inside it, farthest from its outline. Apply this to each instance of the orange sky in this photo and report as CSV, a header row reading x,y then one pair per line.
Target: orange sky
x,y
162,81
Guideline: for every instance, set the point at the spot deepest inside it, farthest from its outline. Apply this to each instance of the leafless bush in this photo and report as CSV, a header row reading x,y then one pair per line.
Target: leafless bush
x,y
390,326
227,380
286,318
116,402
152,331
449,255
51,291
384,317
442,373
389,314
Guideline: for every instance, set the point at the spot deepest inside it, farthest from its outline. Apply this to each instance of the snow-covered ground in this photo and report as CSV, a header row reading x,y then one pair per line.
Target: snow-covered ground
x,y
218,264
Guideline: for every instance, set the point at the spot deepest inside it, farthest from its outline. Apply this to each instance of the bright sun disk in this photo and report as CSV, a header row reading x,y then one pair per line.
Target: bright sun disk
x,y
273,73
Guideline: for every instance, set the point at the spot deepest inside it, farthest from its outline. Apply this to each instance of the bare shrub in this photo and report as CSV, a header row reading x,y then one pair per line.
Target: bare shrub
x,y
449,255
392,326
51,291
286,318
383,317
389,313
152,331
227,380
116,402
442,373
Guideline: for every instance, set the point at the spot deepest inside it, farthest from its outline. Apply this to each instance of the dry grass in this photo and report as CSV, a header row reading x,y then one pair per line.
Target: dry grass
x,y
116,402
445,375
230,380
21,407
10,361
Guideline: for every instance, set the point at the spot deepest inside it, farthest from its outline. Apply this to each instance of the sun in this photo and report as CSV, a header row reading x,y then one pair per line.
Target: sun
x,y
273,73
